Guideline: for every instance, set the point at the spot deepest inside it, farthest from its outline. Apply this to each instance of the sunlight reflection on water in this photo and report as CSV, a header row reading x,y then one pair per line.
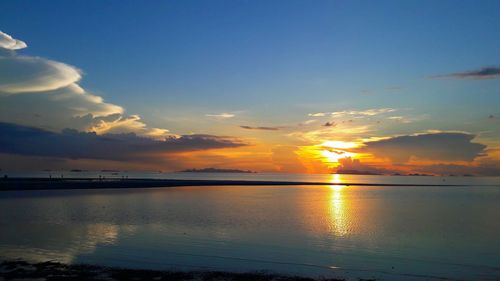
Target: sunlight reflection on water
x,y
309,230
338,221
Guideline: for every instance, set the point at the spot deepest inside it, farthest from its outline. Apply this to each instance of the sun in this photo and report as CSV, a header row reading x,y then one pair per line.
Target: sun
x,y
333,156
333,151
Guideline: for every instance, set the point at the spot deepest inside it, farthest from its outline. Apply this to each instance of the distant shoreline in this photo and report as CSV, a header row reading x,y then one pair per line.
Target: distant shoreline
x,y
12,184
216,170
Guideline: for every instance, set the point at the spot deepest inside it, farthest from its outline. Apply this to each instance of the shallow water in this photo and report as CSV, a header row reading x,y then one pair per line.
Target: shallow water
x,y
391,233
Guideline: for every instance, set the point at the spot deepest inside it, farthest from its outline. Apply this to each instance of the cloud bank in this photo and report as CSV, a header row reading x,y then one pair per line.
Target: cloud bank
x,y
436,146
72,144
44,112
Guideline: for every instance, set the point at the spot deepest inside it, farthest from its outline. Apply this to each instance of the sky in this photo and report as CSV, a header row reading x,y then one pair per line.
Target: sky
x,y
268,86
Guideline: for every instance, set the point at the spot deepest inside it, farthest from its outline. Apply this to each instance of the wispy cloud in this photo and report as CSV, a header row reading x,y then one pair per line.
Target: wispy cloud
x,y
221,115
318,114
307,122
353,113
366,112
260,128
490,72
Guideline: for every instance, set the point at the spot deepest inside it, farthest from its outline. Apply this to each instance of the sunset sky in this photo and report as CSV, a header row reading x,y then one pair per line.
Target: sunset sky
x,y
268,86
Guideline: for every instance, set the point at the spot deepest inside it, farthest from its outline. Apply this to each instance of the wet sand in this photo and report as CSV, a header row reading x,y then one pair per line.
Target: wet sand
x,y
89,183
22,270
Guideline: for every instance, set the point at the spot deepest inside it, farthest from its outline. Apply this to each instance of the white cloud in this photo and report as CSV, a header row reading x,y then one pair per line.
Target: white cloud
x,y
221,115
9,43
21,74
317,114
367,112
44,93
68,107
360,113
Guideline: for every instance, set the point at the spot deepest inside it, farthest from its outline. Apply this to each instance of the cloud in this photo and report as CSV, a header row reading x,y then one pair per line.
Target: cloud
x,y
403,119
221,115
318,114
9,43
68,107
490,72
44,93
72,144
260,128
440,146
353,113
21,74
350,165
366,112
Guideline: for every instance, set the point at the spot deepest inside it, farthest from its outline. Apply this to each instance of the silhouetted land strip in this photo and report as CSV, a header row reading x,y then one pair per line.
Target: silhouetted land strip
x,y
88,183
22,270
216,170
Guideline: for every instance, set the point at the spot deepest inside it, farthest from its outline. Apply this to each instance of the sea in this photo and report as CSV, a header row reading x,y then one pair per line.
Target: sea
x,y
442,228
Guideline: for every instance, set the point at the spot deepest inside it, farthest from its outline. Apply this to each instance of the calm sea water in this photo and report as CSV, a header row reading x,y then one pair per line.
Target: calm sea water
x,y
390,233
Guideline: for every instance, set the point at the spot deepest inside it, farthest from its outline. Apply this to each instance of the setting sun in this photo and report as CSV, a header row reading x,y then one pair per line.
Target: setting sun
x,y
257,140
333,156
333,151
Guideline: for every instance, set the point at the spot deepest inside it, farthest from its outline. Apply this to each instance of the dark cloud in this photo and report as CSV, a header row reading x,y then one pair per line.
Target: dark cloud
x,y
260,128
72,144
483,73
436,146
349,165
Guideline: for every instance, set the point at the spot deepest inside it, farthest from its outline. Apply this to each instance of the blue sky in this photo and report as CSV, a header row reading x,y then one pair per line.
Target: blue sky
x,y
273,62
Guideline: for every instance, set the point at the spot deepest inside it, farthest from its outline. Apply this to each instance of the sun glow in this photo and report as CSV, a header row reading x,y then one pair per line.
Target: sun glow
x,y
333,151
339,144
333,156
